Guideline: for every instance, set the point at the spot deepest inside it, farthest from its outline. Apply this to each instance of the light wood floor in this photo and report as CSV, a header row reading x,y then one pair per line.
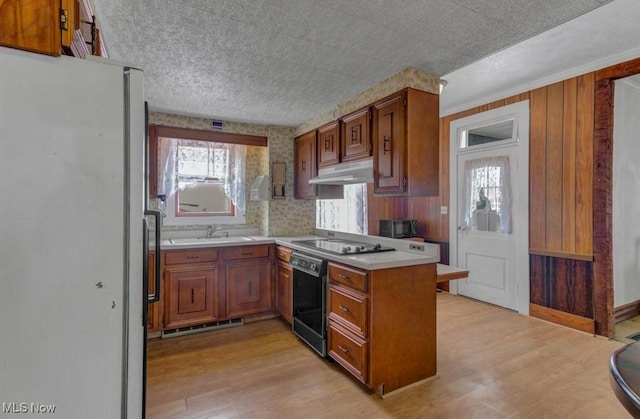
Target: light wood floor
x,y
492,363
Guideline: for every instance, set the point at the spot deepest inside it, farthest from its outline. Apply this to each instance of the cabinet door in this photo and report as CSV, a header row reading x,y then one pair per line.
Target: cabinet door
x,y
33,25
389,146
329,144
284,278
248,287
356,135
305,166
190,296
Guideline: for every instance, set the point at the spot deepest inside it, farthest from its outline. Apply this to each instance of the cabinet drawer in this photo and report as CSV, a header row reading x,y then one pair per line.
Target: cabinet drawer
x,y
283,253
349,277
348,308
174,257
246,252
348,351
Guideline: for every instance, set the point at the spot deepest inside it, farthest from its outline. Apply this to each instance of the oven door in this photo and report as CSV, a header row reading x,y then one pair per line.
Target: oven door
x,y
309,296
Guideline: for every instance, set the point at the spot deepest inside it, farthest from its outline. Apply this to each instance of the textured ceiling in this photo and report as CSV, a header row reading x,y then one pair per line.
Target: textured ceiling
x,y
284,61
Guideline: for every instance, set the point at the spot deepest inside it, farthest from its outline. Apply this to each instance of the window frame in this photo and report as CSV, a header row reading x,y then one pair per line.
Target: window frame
x,y
156,131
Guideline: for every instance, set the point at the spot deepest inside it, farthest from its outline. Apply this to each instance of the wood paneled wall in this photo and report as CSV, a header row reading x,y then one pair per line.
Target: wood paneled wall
x,y
561,168
562,284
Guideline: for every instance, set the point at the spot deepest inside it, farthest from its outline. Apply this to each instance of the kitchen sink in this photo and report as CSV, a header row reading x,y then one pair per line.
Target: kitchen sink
x,y
203,240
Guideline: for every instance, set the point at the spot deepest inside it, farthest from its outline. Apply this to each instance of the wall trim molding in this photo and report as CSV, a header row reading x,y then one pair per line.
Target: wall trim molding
x,y
563,255
560,317
627,311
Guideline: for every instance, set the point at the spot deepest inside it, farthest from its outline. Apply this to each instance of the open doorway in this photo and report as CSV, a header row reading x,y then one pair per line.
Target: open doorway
x,y
626,208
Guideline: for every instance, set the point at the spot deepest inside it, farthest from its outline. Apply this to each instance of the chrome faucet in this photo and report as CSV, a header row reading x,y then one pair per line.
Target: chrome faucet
x,y
211,231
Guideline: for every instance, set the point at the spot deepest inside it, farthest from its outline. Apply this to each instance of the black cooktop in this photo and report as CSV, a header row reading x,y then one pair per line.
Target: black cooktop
x,y
343,247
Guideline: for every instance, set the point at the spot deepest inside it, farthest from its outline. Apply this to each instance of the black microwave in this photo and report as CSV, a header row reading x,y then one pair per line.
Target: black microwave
x,y
398,229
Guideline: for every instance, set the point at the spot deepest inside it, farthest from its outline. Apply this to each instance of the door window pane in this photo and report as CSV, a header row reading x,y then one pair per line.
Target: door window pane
x,y
486,134
487,195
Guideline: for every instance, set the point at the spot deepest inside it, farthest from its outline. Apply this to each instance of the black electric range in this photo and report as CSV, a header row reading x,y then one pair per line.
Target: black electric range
x,y
342,247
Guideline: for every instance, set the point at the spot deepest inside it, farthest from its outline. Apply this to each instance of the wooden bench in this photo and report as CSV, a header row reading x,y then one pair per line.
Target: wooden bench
x,y
449,273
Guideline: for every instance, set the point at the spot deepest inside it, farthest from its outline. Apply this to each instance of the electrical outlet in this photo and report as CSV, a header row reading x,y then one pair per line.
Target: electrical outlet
x,y
444,210
419,247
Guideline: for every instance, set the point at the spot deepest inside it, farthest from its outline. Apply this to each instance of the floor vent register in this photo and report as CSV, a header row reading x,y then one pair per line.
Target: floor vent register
x,y
172,333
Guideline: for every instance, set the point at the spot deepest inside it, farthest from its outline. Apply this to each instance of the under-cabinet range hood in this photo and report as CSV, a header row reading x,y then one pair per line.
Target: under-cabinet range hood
x,y
345,173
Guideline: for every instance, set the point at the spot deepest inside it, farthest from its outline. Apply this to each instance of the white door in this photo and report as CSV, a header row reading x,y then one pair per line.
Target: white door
x,y
489,206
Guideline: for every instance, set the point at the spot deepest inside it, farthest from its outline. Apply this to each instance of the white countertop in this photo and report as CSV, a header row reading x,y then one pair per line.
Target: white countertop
x,y
402,256
167,244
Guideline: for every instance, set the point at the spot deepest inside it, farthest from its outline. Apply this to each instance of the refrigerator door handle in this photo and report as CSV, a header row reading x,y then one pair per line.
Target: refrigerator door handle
x,y
155,296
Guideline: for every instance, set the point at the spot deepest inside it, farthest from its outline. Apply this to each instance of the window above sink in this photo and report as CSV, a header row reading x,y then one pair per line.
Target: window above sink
x,y
201,174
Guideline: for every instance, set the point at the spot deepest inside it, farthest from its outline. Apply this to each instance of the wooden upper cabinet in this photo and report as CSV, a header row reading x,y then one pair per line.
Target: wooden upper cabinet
x,y
356,135
329,144
43,26
305,165
406,144
389,146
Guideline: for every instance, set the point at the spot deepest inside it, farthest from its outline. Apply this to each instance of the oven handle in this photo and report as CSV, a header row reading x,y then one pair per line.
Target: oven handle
x,y
312,273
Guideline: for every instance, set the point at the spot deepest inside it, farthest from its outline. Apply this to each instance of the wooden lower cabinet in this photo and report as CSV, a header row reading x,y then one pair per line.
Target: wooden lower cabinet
x,y
349,350
191,296
284,283
382,324
248,287
349,307
214,284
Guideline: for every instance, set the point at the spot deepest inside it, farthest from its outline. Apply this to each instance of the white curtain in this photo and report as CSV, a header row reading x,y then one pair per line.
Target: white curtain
x,y
167,170
234,185
487,201
229,167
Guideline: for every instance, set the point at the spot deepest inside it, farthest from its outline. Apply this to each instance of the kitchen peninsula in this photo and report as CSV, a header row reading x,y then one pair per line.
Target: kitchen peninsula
x,y
380,307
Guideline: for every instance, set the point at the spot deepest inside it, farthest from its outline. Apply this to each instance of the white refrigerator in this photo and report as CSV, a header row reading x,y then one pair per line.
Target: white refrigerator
x,y
72,206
